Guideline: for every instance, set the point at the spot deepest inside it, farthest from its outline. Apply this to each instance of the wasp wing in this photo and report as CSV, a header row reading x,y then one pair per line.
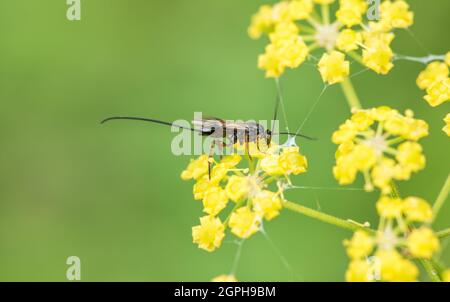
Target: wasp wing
x,y
209,126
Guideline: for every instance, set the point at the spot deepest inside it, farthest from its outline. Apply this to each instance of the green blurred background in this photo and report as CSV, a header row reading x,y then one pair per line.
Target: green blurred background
x,y
112,195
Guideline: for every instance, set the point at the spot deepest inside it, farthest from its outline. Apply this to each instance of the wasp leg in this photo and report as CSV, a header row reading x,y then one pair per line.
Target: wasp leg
x,y
210,157
221,145
247,147
259,149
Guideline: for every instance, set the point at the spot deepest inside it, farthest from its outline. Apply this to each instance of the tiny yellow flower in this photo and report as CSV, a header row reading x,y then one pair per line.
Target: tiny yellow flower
x,y
284,31
348,40
261,22
196,168
417,209
270,164
360,5
345,171
360,245
255,150
396,14
346,133
231,161
282,53
214,201
237,188
446,275
438,93
383,173
267,204
244,223
447,58
410,157
202,185
224,278
446,128
292,52
300,9
281,12
350,12
422,243
390,207
395,268
358,271
292,162
364,157
271,63
378,58
434,72
209,234
396,125
333,67
218,172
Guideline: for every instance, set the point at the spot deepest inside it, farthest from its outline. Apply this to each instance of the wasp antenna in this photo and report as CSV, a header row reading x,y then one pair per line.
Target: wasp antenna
x,y
136,119
150,120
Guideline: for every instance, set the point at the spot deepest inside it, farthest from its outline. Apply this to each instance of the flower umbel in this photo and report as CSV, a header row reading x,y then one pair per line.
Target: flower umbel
x,y
436,82
256,191
388,254
295,31
380,143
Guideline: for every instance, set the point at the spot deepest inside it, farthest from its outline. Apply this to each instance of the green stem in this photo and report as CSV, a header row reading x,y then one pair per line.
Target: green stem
x,y
443,233
356,57
350,94
307,29
431,271
442,197
326,14
236,206
344,224
395,140
394,190
423,60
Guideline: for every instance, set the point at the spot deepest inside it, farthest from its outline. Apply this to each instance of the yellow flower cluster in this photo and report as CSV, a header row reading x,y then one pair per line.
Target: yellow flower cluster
x,y
446,128
388,254
446,275
436,82
295,30
248,188
224,278
380,143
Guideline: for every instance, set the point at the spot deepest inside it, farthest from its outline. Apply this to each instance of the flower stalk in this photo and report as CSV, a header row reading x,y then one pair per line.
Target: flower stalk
x,y
350,94
442,197
431,271
344,224
326,13
444,233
